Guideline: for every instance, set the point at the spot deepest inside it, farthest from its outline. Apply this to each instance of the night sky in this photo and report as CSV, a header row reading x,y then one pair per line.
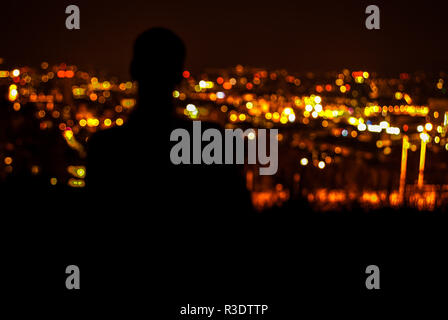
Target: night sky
x,y
294,34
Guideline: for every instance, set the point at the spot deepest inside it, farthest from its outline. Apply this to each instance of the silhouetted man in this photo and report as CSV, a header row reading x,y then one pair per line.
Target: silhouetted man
x,y
170,227
129,170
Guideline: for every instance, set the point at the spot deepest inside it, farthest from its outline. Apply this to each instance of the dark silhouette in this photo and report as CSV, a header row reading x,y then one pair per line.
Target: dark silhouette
x,y
129,171
150,216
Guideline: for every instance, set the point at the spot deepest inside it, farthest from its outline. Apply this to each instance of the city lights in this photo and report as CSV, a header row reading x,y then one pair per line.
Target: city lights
x,y
327,121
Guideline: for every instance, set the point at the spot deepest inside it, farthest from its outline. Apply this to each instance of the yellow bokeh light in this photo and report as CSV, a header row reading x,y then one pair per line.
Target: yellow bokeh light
x,y
352,121
81,172
68,134
424,136
321,165
13,93
292,117
106,84
287,111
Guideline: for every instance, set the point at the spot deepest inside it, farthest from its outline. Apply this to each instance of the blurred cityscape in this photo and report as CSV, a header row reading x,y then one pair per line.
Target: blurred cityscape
x,y
347,139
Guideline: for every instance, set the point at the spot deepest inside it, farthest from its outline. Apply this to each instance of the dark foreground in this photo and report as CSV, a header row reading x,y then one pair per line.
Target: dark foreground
x,y
148,263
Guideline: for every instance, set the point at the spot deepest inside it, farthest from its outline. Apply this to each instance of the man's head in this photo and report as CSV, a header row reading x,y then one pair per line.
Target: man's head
x,y
158,59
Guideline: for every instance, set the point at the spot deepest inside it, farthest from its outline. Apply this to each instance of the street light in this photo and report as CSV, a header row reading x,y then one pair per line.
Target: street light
x,y
425,138
404,160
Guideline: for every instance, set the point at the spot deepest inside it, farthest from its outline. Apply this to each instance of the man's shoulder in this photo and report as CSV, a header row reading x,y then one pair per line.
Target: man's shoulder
x,y
104,138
